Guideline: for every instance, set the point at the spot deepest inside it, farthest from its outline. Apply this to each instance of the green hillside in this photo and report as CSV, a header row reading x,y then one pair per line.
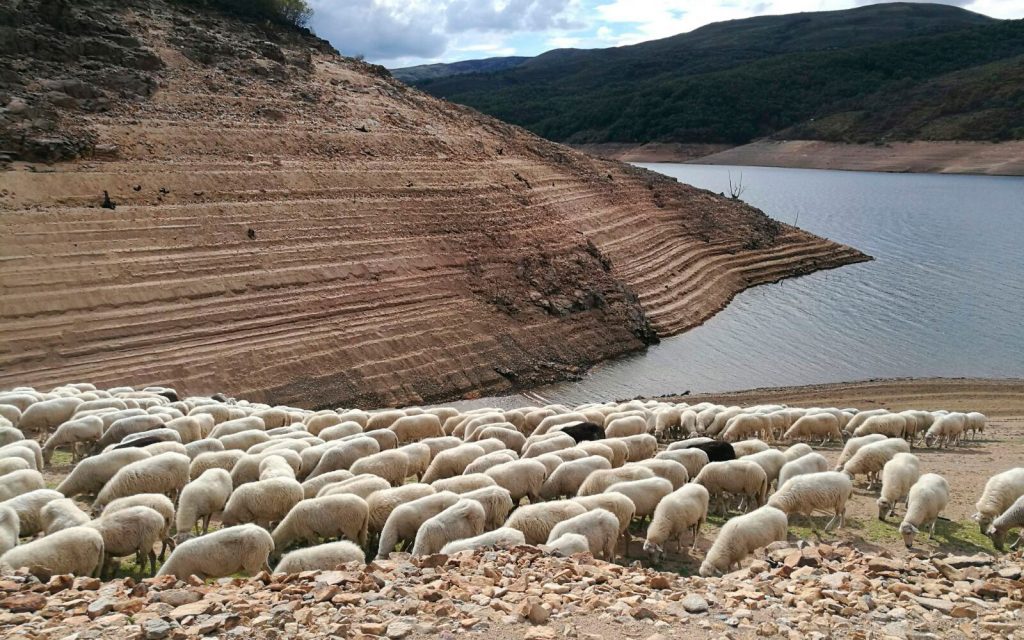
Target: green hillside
x,y
891,71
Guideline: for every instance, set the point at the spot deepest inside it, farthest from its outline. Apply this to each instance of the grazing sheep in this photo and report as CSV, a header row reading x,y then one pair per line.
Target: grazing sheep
x,y
383,419
207,445
322,557
166,473
1010,519
583,431
597,449
201,499
437,445
690,442
226,460
405,520
77,550
159,503
898,475
625,426
239,549
860,417
10,465
825,491
771,460
9,528
748,447
244,440
976,423
275,467
741,536
811,463
385,438
522,478
641,447
853,445
1001,491
490,460
549,444
620,451
928,497
382,503
464,483
497,504
339,431
890,425
682,512
452,462
28,507
600,480
16,483
599,527
946,430
27,450
693,459
61,514
80,433
411,428
567,478
734,478
237,426
45,415
125,427
814,426
392,465
745,425
871,458
503,537
670,470
247,468
131,531
717,451
569,455
798,450
512,439
645,494
464,519
310,488
537,520
262,502
88,476
616,503
333,516
363,486
418,456
568,545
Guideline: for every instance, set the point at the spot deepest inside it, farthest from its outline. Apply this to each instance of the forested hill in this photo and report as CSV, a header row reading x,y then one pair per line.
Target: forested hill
x,y
898,71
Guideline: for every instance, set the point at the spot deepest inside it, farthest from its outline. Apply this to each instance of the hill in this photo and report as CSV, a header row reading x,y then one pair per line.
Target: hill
x,y
870,73
423,72
292,226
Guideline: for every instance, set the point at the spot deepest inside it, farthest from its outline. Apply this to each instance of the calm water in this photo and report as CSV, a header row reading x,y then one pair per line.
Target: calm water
x,y
944,296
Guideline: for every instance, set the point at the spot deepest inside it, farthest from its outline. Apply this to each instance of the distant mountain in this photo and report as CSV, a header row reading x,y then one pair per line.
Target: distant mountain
x,y
885,71
432,71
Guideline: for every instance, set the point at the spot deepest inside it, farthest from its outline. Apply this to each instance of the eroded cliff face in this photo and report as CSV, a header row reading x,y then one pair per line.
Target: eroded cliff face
x,y
292,226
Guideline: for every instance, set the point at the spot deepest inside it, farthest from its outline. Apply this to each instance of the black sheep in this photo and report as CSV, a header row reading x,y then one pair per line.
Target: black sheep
x,y
582,431
717,451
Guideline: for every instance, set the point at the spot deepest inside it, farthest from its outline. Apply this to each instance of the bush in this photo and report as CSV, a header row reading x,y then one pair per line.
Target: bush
x,y
291,12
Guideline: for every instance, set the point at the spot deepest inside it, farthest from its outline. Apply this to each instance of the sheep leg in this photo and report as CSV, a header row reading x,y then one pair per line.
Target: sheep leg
x,y
206,523
152,562
1017,542
931,530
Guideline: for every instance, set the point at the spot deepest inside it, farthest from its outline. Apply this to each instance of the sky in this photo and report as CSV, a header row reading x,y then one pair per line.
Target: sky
x,y
399,33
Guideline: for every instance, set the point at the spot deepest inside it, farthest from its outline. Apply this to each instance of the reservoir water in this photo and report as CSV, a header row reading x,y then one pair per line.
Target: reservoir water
x,y
943,297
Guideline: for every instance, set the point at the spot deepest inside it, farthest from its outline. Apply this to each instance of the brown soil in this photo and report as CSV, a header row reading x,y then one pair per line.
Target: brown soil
x,y
295,227
1003,159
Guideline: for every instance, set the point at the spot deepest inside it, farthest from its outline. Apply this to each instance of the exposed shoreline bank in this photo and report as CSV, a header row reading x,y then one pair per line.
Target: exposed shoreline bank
x,y
972,158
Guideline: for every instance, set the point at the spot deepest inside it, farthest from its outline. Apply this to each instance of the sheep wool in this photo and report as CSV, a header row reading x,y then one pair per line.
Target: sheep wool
x,y
322,557
502,537
599,527
334,516
682,512
928,497
741,536
234,549
826,491
76,550
464,519
898,475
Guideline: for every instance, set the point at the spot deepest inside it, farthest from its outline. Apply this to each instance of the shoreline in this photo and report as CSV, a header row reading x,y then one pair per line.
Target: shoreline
x,y
961,158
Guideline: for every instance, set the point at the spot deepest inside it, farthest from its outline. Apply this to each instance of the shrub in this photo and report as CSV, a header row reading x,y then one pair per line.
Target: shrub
x,y
291,12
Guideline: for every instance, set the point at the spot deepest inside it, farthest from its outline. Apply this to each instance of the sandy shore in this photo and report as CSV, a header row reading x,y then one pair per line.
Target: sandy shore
x,y
982,158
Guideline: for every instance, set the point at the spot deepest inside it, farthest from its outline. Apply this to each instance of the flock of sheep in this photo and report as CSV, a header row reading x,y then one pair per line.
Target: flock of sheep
x,y
282,480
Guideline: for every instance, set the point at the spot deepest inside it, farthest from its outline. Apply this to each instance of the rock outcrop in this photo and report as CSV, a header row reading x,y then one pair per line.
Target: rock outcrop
x,y
234,205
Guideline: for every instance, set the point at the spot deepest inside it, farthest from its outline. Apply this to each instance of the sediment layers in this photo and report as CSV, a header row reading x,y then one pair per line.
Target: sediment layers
x,y
292,226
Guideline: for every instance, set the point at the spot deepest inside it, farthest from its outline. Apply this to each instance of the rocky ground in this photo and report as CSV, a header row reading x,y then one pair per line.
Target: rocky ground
x,y
799,592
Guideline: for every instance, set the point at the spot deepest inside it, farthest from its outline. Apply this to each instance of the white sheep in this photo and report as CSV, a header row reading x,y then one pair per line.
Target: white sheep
x,y
645,494
418,456
80,434
464,483
239,425
382,503
131,531
600,480
88,476
262,502
741,536
928,497
682,512
625,426
27,450
490,460
322,557
244,440
46,415
28,507
522,478
826,491
497,504
860,417
405,520
734,478
641,447
871,458
61,514
693,459
339,431
548,444
207,445
310,488
202,499
1010,519
616,503
226,460
392,465
363,486
599,527
503,537
77,550
749,447
9,529
798,450
275,466
452,462
813,462
771,460
247,468
16,483
746,425
1001,491
976,423
597,448
567,478
568,545
243,548
159,503
537,520
418,427
890,425
946,430
166,473
10,465
513,439
334,516
898,476
689,442
814,426
464,519
853,445
385,438
125,427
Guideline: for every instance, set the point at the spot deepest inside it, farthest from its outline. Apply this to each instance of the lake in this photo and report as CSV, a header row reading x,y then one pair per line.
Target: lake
x,y
943,297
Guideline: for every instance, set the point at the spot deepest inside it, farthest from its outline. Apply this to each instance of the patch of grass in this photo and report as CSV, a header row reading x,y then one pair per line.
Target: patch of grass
x,y
963,536
60,459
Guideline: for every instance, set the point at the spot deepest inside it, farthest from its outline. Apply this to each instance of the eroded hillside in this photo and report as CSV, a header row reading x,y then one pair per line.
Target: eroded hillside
x,y
293,226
